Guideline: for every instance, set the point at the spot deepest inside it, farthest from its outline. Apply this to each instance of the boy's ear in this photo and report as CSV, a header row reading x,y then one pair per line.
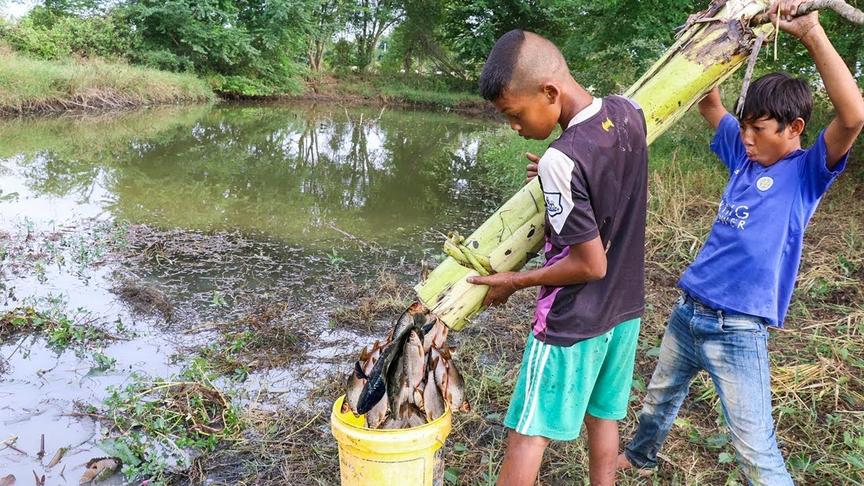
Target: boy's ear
x,y
551,92
796,128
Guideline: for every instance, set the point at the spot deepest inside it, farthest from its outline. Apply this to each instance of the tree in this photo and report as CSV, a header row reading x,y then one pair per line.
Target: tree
x,y
369,19
254,44
420,37
330,17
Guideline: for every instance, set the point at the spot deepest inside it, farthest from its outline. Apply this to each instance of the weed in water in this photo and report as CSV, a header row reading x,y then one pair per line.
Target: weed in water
x,y
102,362
59,328
162,425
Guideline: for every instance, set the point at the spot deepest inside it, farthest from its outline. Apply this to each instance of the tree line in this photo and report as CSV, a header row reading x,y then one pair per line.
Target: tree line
x,y
258,48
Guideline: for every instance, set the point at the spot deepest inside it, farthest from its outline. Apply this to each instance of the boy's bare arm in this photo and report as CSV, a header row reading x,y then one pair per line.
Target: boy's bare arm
x,y
585,262
711,108
839,83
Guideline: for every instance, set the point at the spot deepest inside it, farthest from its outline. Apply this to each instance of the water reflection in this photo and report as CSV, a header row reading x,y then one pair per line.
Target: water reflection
x,y
284,172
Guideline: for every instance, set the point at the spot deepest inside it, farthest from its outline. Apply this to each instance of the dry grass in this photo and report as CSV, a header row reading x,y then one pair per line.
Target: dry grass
x,y
267,336
368,303
143,298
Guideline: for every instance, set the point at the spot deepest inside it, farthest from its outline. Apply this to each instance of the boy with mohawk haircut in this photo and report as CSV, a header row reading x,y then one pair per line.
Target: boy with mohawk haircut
x,y
578,359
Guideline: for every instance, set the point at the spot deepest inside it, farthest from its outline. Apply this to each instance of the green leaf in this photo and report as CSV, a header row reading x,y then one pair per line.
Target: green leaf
x,y
800,461
683,423
451,475
639,384
716,441
119,449
725,458
855,460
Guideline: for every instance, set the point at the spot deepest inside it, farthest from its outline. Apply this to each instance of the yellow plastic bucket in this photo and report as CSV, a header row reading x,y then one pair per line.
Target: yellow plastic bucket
x,y
371,457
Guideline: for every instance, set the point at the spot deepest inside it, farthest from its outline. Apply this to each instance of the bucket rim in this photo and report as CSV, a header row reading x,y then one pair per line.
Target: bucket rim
x,y
336,415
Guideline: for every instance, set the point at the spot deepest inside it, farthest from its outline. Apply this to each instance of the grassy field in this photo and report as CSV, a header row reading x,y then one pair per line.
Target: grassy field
x,y
818,361
35,86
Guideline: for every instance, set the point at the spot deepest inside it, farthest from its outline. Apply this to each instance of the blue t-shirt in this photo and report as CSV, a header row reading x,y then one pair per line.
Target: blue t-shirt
x,y
750,260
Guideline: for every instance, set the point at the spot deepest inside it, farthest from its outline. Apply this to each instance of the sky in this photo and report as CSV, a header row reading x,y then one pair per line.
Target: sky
x,y
15,8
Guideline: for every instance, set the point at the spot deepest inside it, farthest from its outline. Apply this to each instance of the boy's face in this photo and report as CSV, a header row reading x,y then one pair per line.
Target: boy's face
x,y
765,143
533,114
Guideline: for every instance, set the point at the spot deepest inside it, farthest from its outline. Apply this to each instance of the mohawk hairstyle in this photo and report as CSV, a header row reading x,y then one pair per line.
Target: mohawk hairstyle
x,y
498,70
779,96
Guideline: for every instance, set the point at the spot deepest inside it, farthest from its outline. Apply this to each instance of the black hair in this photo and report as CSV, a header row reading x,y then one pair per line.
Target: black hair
x,y
780,96
498,70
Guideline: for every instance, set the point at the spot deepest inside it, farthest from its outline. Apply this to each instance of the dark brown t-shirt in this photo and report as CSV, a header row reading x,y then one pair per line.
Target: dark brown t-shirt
x,y
595,182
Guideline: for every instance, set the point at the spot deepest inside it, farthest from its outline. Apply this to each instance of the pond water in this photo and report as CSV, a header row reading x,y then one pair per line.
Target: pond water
x,y
212,206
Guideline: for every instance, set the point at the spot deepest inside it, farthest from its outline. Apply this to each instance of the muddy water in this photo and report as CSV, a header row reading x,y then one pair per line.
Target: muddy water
x,y
214,207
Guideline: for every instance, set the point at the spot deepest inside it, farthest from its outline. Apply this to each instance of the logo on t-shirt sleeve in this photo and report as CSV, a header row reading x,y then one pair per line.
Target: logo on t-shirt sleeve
x,y
556,173
553,203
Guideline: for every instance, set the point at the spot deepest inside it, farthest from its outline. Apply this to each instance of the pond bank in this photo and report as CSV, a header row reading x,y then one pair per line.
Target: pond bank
x,y
37,87
31,86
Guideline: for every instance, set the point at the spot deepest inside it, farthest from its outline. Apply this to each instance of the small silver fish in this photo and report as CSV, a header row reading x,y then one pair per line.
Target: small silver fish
x,y
370,362
376,416
456,389
412,416
393,423
355,382
433,401
415,359
440,371
435,336
413,316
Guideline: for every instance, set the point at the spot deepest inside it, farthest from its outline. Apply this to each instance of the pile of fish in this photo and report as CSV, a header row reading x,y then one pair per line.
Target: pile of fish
x,y
408,380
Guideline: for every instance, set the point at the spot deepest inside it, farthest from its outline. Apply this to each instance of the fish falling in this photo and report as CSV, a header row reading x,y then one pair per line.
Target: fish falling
x,y
408,380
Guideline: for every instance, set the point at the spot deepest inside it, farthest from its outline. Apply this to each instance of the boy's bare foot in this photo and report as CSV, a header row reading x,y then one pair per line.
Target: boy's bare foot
x,y
623,463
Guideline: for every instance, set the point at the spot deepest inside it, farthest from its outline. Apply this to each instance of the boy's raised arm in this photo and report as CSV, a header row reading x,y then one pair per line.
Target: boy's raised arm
x,y
839,83
711,108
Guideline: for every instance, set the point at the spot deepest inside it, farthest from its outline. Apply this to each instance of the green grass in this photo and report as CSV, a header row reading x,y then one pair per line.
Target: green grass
x,y
34,86
421,91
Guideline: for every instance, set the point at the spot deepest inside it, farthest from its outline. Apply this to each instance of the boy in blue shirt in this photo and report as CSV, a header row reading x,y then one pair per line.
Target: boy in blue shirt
x,y
742,279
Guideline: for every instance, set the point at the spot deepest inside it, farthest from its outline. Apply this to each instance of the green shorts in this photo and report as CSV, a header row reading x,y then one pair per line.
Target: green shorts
x,y
557,384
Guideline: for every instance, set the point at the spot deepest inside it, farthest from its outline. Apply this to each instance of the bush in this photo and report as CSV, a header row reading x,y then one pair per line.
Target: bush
x,y
66,36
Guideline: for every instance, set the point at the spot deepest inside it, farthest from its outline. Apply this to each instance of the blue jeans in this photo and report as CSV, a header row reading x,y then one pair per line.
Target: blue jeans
x,y
733,349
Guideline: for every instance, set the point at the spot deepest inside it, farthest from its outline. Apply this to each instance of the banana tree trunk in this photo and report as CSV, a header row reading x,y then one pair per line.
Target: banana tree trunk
x,y
713,45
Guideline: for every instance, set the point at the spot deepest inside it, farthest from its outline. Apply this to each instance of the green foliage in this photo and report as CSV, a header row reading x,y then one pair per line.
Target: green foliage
x,y
592,35
368,20
249,47
47,35
328,17
253,47
342,56
59,328
162,423
259,48
471,28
